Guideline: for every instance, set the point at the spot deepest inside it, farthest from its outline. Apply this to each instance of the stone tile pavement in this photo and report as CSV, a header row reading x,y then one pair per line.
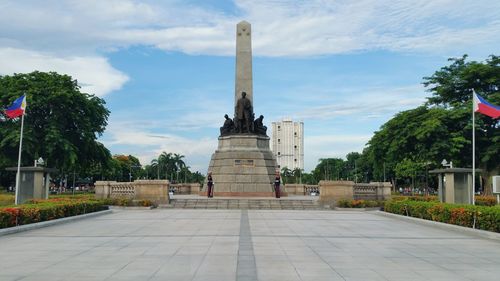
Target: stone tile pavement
x,y
183,244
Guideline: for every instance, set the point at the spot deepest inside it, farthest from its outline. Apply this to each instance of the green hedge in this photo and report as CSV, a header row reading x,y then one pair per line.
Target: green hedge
x,y
44,210
480,217
484,200
343,203
425,198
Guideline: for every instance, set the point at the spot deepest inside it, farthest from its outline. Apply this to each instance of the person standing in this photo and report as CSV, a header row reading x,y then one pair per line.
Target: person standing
x,y
210,185
277,184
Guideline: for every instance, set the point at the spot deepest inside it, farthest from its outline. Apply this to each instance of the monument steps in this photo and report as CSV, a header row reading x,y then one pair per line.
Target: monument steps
x,y
244,203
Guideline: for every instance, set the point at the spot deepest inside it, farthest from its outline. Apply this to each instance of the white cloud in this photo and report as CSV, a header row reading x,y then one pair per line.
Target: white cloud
x,y
366,102
281,28
70,36
94,74
332,145
138,138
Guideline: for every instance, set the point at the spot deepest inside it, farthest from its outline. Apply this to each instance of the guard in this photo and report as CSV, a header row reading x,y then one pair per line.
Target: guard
x,y
277,184
210,185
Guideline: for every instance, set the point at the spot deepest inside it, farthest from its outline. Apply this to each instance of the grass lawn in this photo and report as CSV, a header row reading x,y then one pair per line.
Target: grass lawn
x,y
6,199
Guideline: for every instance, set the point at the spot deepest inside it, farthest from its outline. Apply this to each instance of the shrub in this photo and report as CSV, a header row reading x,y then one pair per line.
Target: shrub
x,y
481,217
343,203
425,198
124,202
483,200
44,210
127,202
145,203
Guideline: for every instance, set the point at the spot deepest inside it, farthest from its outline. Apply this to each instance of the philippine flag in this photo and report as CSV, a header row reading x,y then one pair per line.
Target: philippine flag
x,y
482,106
17,108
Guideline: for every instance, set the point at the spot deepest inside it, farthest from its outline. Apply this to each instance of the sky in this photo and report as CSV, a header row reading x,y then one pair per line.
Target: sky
x,y
166,69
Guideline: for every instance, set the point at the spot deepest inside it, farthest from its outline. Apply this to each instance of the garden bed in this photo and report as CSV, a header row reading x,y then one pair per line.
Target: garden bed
x,y
45,210
473,216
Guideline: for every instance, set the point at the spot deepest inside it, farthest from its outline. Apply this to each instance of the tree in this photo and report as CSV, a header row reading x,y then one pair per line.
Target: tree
x,y
126,167
329,169
171,166
286,174
61,123
352,166
297,175
155,165
408,169
167,164
451,88
196,177
178,164
442,127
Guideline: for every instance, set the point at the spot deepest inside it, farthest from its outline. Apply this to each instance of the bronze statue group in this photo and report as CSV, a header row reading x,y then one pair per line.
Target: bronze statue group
x,y
244,121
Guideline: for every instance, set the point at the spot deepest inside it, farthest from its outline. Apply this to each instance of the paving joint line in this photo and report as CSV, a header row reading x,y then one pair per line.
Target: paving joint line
x,y
246,268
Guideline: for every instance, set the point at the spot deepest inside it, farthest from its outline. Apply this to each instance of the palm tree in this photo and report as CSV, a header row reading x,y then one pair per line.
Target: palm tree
x,y
165,162
297,174
285,174
156,164
185,171
178,163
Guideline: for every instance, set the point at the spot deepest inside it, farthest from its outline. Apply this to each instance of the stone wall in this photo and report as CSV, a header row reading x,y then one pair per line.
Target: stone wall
x,y
300,189
332,191
185,188
154,190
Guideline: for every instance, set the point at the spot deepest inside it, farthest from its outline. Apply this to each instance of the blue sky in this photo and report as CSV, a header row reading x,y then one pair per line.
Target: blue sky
x,y
166,68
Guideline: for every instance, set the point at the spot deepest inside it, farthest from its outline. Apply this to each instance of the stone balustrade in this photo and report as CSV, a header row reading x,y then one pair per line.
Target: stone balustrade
x,y
300,189
185,188
153,190
336,190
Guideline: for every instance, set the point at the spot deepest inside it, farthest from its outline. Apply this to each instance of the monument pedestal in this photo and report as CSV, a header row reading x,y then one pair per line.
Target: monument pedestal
x,y
243,165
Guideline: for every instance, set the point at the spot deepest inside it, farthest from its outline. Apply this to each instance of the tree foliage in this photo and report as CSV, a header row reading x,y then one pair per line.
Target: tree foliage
x,y
451,88
420,138
171,166
61,123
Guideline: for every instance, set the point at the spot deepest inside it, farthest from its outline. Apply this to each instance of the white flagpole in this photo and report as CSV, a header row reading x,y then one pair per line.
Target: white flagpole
x,y
18,176
473,148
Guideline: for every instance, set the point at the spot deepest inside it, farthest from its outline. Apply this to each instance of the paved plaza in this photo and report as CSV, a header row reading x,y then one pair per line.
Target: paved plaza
x,y
183,244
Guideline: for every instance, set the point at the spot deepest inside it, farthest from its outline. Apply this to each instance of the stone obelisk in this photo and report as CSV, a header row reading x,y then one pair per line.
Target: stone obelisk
x,y
243,164
243,61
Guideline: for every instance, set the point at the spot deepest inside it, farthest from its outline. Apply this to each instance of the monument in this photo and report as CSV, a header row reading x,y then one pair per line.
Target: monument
x,y
243,164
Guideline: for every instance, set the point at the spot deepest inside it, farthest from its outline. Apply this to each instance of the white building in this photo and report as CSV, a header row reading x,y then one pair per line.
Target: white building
x,y
288,143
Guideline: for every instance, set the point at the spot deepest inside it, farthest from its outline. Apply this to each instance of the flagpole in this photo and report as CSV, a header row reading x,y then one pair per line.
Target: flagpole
x,y
18,176
473,149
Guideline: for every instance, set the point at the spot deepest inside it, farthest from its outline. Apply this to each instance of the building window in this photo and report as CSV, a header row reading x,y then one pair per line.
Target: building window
x,y
295,160
279,153
279,140
295,133
295,146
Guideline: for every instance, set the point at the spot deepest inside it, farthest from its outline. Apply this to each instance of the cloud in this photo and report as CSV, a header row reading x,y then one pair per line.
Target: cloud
x,y
138,138
331,145
281,28
94,74
366,102
74,36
